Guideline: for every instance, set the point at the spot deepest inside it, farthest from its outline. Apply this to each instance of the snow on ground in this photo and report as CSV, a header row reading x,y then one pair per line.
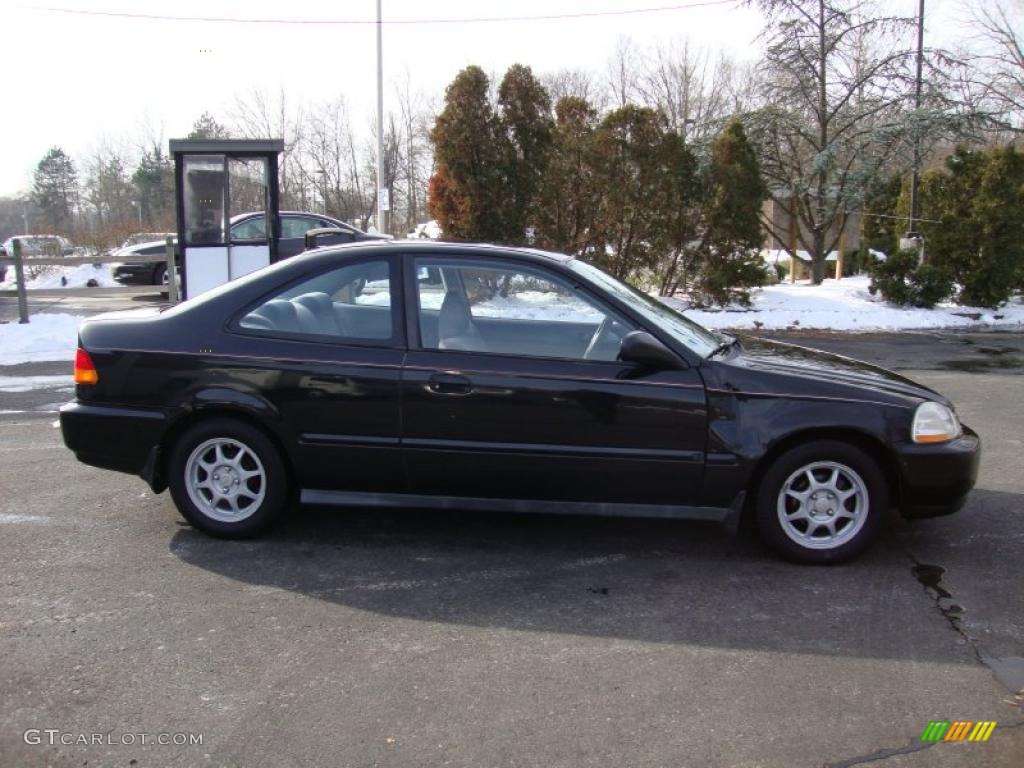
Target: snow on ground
x,y
74,276
845,305
31,383
44,337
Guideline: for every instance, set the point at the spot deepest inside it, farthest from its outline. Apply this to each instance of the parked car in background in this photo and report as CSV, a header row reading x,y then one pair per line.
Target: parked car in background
x,y
420,374
143,272
145,237
294,226
245,227
40,245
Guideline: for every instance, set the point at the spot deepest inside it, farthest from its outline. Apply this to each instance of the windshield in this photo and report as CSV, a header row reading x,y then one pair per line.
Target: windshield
x,y
682,329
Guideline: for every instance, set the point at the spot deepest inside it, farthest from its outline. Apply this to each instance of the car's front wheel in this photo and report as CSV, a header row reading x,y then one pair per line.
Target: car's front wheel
x,y
160,275
227,478
822,502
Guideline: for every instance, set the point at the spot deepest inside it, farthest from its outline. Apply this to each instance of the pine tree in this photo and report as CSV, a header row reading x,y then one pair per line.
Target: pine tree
x,y
569,195
527,127
998,212
154,182
633,155
468,192
55,189
882,227
206,127
732,239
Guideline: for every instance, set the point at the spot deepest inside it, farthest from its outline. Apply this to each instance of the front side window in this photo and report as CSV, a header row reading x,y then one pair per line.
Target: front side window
x,y
297,226
250,229
485,306
684,330
352,302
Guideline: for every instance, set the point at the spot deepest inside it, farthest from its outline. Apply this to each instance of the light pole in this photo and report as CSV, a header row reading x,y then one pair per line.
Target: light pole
x,y
383,204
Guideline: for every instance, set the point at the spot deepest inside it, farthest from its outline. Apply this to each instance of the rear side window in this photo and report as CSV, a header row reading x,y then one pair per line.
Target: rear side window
x,y
349,303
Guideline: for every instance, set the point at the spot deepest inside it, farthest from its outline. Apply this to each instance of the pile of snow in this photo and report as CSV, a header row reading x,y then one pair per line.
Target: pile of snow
x,y
79,276
44,337
844,305
428,230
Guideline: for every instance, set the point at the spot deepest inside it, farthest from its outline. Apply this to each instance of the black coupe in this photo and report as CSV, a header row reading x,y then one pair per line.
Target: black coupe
x,y
424,374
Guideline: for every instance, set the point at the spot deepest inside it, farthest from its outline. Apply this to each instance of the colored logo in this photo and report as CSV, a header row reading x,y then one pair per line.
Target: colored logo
x,y
958,730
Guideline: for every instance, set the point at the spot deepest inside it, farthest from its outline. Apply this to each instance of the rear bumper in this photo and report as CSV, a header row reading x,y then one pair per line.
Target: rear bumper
x,y
121,439
937,478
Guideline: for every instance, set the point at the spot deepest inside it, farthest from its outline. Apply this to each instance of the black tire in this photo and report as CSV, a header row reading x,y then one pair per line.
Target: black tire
x,y
815,544
263,459
159,274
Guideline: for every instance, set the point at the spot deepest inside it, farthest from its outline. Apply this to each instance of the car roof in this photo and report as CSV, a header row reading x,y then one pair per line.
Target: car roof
x,y
448,248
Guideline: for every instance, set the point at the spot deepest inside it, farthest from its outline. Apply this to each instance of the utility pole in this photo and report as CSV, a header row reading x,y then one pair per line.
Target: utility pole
x,y
915,179
383,204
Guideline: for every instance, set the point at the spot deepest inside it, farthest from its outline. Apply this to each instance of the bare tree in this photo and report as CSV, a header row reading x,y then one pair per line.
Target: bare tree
x,y
998,64
622,72
837,93
691,87
579,84
259,114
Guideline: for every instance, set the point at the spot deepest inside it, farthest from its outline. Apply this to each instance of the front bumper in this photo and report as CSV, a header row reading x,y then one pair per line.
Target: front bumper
x,y
937,478
110,437
133,273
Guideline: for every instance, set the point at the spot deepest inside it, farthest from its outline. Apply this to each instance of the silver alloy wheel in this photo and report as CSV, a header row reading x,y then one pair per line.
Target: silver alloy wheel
x,y
225,479
823,505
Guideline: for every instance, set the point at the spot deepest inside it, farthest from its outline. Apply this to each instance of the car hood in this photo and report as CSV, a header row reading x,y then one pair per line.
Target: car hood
x,y
795,361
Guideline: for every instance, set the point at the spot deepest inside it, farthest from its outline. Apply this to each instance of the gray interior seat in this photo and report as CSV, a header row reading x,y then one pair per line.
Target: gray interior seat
x,y
315,314
455,326
279,313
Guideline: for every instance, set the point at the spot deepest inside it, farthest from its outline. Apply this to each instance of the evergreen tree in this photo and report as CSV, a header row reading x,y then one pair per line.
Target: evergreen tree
x,y
732,240
55,189
569,195
468,193
154,182
684,207
882,227
633,153
526,120
206,127
999,215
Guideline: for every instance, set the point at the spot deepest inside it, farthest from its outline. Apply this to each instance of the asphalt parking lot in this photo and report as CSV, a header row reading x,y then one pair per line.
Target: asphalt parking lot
x,y
424,638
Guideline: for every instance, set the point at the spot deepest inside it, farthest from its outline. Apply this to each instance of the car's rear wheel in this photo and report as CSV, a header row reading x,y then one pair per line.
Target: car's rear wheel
x,y
822,502
160,275
228,479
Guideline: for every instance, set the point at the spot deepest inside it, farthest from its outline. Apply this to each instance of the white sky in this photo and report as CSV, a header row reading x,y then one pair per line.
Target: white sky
x,y
76,81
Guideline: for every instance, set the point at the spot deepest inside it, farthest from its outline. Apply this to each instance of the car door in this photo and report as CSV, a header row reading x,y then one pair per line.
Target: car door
x,y
326,351
511,389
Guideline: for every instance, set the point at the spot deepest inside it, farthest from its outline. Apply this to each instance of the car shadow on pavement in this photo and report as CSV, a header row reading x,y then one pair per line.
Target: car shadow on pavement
x,y
652,580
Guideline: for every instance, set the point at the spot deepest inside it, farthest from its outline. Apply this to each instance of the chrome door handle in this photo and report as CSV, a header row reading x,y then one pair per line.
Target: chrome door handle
x,y
449,384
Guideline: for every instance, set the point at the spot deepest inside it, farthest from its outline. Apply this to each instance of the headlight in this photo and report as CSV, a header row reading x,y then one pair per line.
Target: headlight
x,y
935,423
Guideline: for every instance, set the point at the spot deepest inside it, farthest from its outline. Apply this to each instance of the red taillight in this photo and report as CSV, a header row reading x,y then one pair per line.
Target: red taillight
x,y
85,371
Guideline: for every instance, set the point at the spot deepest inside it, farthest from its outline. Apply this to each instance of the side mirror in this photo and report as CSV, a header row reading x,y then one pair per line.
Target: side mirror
x,y
642,348
331,236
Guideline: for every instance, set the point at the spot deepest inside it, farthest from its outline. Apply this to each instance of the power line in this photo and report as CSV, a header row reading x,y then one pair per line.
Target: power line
x,y
345,22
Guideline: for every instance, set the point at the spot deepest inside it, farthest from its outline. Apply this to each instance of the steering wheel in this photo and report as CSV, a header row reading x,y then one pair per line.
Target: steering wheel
x,y
595,340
